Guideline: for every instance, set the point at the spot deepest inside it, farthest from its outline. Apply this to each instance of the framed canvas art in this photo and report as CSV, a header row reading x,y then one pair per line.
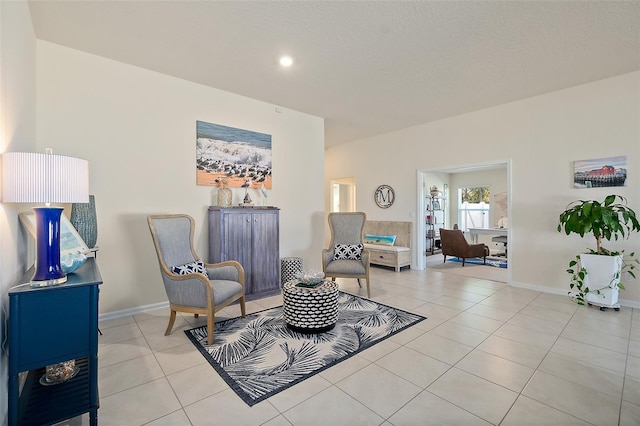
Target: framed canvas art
x,y
241,156
600,172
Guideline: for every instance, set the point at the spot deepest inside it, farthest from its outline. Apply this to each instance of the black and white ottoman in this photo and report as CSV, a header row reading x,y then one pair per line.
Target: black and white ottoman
x,y
310,310
290,267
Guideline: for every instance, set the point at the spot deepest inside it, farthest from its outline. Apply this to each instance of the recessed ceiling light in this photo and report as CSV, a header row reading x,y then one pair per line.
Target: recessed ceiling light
x,y
286,61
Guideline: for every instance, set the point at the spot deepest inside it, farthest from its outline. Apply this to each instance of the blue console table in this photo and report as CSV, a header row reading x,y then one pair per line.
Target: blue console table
x,y
49,325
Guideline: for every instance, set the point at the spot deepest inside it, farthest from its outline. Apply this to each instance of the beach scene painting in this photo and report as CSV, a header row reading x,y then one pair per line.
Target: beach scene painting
x,y
241,156
600,172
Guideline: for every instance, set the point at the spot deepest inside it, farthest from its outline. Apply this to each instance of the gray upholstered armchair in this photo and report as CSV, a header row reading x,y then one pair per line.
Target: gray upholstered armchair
x,y
193,286
346,256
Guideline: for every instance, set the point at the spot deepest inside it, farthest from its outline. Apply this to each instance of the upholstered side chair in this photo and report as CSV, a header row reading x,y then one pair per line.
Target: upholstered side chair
x,y
346,256
193,286
455,244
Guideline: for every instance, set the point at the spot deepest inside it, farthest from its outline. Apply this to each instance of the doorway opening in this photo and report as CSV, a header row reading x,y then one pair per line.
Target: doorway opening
x,y
343,195
494,175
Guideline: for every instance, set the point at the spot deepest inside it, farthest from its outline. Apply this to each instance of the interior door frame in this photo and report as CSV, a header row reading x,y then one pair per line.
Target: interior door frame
x,y
421,260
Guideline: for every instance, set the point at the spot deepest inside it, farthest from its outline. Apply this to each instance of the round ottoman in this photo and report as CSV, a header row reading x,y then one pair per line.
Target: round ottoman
x,y
310,310
289,268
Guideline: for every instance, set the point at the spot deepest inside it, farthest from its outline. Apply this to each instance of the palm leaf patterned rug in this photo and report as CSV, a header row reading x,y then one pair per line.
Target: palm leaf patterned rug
x,y
259,356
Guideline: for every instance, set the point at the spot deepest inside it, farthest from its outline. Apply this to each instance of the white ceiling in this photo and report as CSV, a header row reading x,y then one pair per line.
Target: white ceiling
x,y
367,67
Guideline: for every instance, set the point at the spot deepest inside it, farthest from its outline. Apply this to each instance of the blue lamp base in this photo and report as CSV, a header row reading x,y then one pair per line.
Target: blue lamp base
x,y
48,270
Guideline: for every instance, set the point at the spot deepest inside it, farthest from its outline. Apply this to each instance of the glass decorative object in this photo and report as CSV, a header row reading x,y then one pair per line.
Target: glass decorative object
x,y
58,373
225,195
264,194
71,262
247,199
83,218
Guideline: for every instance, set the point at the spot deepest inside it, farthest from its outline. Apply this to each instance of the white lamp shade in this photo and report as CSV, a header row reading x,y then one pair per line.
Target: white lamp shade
x,y
31,177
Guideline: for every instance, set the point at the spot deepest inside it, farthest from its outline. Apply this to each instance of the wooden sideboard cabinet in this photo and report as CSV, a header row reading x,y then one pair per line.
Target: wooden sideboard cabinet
x,y
250,236
49,325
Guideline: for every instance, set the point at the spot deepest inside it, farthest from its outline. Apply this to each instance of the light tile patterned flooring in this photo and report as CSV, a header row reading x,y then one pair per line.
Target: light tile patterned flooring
x,y
487,354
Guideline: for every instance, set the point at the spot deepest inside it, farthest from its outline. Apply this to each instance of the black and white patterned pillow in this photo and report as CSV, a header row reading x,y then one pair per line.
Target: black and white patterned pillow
x,y
347,251
196,267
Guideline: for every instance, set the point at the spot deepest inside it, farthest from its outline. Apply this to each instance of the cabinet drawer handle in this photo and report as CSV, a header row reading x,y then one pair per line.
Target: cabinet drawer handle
x,y
381,257
248,220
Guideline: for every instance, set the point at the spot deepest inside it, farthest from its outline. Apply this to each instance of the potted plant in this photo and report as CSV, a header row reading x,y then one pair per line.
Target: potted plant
x,y
595,276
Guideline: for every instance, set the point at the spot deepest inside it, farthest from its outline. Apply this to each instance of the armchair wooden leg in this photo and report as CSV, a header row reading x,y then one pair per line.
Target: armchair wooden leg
x,y
445,259
210,321
243,309
359,283
172,319
196,315
463,259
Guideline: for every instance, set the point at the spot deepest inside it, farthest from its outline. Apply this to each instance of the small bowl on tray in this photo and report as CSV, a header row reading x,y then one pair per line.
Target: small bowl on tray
x,y
310,279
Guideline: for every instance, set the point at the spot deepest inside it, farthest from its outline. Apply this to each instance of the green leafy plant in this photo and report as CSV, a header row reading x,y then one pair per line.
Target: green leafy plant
x,y
611,219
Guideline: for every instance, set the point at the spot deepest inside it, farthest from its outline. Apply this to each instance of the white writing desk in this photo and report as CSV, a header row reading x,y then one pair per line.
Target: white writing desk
x,y
486,231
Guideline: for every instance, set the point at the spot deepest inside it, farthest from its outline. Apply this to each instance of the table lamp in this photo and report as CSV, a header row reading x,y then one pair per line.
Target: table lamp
x,y
31,177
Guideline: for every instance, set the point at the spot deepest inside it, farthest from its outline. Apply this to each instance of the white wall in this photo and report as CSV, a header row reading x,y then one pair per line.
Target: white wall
x,y
137,129
17,133
541,136
495,179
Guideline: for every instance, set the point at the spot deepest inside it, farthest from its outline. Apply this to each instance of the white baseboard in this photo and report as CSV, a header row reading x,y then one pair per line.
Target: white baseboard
x,y
623,302
541,288
132,311
629,303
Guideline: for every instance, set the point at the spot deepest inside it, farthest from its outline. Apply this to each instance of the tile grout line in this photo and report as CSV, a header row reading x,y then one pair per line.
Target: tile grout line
x,y
447,321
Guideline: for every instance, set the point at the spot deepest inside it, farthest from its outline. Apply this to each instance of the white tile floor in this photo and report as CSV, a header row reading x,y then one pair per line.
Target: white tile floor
x,y
487,354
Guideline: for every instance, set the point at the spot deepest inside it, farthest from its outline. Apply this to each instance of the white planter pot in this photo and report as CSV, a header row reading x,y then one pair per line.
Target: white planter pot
x,y
603,273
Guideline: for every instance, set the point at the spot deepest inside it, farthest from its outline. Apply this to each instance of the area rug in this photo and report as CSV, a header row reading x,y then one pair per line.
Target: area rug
x,y
258,356
498,262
